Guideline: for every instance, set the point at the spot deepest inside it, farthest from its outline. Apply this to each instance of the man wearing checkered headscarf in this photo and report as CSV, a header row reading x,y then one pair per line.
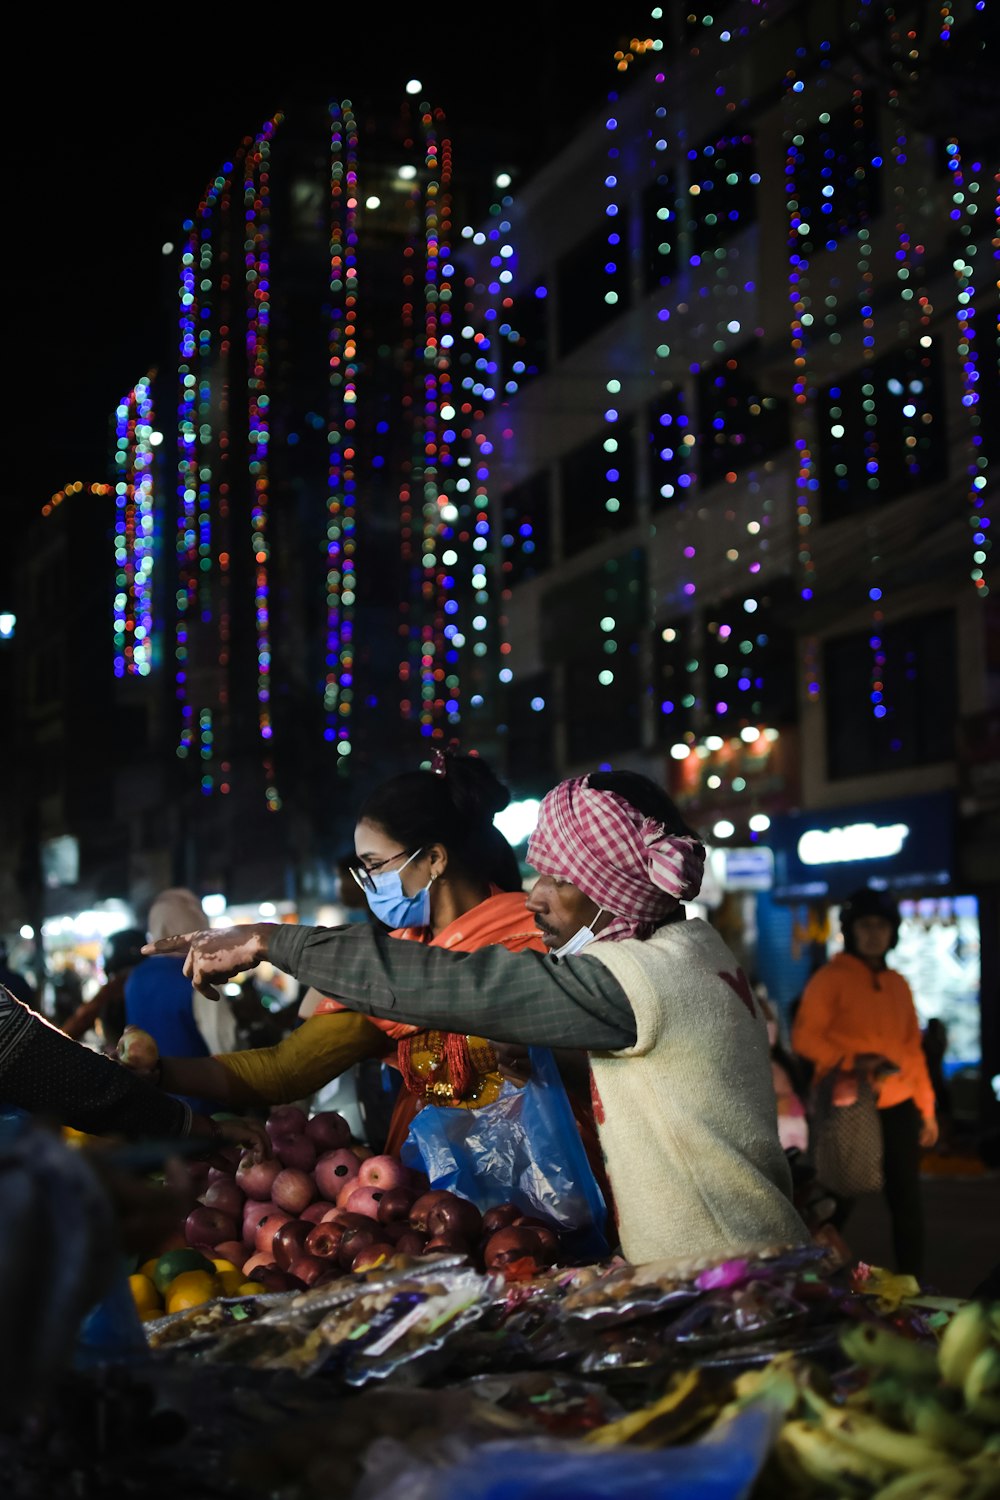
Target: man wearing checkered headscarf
x,y
621,858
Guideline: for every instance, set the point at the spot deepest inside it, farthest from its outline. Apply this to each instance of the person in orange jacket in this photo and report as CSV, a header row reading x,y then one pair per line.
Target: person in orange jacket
x,y
858,1014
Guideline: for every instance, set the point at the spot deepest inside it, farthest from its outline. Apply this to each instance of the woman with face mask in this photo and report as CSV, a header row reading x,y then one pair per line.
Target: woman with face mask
x,y
434,870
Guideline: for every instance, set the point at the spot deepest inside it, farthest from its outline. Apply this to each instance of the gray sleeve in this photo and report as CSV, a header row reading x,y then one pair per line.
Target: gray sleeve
x,y
508,997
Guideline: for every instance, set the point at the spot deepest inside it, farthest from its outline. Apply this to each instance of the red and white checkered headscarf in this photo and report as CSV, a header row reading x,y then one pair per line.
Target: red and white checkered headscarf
x,y
622,860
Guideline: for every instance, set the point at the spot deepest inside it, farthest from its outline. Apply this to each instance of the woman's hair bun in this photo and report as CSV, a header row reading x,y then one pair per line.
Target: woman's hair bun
x,y
475,789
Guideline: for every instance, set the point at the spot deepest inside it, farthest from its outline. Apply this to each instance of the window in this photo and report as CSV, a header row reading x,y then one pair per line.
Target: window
x,y
835,177
591,626
750,664
738,424
530,764
527,538
659,231
671,447
598,489
722,193
588,276
524,341
882,431
908,671
674,680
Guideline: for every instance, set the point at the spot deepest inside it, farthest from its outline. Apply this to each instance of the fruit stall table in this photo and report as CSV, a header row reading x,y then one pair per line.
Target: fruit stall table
x,y
763,1377
325,1324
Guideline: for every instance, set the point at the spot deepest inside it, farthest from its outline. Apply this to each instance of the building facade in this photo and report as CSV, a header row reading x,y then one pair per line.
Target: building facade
x,y
745,484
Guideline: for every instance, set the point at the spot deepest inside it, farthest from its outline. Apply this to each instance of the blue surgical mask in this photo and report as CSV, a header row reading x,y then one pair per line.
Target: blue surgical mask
x,y
390,903
581,937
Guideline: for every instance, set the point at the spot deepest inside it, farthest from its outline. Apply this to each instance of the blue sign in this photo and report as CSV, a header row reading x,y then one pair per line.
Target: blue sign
x,y
904,845
749,869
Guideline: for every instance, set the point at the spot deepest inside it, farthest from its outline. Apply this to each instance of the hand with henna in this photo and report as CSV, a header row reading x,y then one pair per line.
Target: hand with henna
x,y
213,956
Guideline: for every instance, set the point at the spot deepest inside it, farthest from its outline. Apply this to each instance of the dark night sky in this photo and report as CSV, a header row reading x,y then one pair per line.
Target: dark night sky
x,y
108,156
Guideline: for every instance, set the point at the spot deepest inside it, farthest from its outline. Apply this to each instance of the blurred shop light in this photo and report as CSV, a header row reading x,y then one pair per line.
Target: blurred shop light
x,y
723,829
97,923
517,821
857,841
267,909
680,751
760,822
214,905
27,932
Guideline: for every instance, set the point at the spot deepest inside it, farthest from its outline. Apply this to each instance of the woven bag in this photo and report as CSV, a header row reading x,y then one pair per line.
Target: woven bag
x,y
846,1140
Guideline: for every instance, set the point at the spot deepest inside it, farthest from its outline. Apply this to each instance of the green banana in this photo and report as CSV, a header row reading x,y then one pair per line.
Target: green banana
x,y
879,1348
777,1383
945,1482
928,1415
886,1395
809,1452
983,1479
967,1334
883,1444
982,1385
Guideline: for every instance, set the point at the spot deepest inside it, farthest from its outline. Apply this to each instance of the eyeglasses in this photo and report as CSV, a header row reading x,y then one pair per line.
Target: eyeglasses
x,y
363,873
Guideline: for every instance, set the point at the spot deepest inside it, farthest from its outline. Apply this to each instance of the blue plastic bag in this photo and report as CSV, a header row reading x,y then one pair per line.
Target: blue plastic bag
x,y
523,1148
723,1465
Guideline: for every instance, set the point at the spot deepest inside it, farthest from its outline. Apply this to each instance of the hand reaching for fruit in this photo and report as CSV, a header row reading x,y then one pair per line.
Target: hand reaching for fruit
x,y
248,1133
216,955
138,1051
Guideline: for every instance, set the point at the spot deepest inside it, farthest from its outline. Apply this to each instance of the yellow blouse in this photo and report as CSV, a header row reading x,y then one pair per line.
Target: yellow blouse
x,y
320,1049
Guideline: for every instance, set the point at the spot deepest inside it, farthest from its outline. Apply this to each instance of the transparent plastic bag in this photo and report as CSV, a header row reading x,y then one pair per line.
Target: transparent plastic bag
x,y
523,1148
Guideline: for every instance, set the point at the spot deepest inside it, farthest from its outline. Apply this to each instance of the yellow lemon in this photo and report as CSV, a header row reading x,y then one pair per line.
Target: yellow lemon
x,y
230,1282
223,1265
250,1288
145,1295
191,1289
148,1267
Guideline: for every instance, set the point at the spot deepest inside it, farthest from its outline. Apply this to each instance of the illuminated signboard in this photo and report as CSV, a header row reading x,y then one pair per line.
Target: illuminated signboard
x,y
906,844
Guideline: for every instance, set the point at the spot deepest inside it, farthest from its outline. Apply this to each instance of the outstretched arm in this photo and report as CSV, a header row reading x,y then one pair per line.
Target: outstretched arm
x,y
509,997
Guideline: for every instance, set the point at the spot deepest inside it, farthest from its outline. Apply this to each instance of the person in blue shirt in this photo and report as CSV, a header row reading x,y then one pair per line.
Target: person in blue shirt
x,y
160,1000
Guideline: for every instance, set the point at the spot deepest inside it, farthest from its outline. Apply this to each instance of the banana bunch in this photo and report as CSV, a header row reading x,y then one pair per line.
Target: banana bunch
x,y
923,1425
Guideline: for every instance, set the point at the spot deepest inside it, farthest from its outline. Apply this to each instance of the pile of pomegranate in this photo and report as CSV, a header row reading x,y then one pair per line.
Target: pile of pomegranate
x,y
322,1207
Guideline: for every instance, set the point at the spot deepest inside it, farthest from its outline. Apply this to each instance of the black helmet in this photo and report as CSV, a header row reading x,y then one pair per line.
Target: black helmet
x,y
123,950
868,903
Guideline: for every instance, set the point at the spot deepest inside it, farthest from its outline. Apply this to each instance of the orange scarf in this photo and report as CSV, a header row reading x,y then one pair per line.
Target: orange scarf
x,y
446,1067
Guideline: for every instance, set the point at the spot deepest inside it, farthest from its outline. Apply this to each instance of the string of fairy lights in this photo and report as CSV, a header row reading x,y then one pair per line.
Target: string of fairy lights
x,y
862,420
613,279
257,261
224,280
345,373
496,306
136,441
201,441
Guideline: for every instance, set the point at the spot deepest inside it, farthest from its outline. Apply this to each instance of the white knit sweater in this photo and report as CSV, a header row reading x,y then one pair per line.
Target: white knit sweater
x,y
687,1117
